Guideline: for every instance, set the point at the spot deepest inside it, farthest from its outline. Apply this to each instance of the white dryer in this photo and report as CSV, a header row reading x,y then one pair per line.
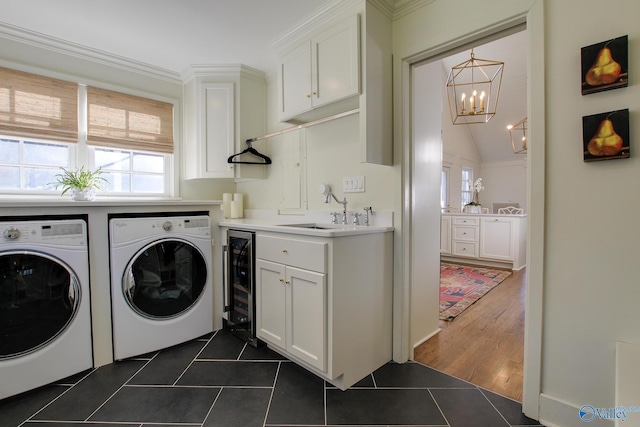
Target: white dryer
x,y
45,316
161,282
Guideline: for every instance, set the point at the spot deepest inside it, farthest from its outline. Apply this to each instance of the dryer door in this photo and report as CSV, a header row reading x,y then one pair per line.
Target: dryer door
x,y
39,297
165,279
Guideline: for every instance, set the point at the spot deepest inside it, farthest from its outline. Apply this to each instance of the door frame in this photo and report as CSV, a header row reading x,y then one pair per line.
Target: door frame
x,y
534,20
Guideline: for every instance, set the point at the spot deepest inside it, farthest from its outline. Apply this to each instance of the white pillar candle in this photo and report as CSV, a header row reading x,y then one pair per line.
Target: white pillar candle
x,y
236,209
239,198
226,204
226,207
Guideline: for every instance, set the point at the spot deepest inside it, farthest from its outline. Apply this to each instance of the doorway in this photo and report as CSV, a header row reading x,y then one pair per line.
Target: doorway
x,y
463,148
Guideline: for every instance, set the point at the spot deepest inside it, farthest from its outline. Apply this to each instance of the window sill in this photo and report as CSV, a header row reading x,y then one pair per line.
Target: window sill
x,y
19,202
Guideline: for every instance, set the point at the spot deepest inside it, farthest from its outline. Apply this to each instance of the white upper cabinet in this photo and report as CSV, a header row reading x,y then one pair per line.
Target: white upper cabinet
x,y
337,62
321,71
223,107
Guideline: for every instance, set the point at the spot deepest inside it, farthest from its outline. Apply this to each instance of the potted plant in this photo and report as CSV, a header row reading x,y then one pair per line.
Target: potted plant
x,y
475,207
82,182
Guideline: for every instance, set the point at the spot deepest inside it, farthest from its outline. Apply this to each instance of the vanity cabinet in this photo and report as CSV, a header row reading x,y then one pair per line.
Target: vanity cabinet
x,y
325,303
337,62
464,236
223,107
492,240
291,297
323,70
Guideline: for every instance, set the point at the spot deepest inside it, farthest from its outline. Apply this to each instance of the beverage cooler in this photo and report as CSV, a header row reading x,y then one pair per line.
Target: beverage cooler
x,y
239,286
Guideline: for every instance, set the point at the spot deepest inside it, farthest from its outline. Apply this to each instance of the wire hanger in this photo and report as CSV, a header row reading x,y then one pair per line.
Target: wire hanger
x,y
251,150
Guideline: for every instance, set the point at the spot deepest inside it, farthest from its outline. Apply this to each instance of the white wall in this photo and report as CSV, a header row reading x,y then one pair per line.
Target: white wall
x,y
332,154
504,182
425,203
591,286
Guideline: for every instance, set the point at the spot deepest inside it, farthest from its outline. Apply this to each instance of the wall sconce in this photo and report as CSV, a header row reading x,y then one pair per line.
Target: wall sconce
x,y
473,88
518,132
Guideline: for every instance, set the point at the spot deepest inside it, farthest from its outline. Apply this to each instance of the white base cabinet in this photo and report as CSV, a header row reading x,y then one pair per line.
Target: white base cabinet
x,y
326,303
493,240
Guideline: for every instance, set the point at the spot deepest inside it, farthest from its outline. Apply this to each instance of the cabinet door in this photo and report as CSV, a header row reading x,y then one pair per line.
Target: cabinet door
x,y
307,310
336,62
270,303
496,238
217,139
294,84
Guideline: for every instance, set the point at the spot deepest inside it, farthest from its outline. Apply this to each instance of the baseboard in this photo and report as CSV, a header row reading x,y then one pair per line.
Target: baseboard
x,y
557,413
425,339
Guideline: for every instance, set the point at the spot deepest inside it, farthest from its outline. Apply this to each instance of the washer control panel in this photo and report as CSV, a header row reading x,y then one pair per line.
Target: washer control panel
x,y
62,232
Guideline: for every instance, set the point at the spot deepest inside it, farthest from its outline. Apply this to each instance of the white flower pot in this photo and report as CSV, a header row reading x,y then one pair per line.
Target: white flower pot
x,y
87,194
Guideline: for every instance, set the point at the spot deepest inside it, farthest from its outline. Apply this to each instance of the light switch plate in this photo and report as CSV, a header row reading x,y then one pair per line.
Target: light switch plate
x,y
353,184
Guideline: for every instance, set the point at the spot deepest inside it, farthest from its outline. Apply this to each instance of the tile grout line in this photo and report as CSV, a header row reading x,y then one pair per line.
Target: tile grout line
x,y
120,388
273,389
206,343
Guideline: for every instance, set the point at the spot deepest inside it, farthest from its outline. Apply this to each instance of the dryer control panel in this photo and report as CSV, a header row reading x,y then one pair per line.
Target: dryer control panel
x,y
125,230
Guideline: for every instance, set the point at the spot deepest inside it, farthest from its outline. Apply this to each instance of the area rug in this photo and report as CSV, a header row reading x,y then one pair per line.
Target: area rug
x,y
462,285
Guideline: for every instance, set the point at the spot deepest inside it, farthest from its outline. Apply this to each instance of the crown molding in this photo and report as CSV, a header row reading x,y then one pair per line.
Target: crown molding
x,y
405,7
53,44
221,70
313,21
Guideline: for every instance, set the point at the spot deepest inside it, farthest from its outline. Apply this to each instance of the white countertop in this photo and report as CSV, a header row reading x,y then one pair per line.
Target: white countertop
x,y
486,214
287,226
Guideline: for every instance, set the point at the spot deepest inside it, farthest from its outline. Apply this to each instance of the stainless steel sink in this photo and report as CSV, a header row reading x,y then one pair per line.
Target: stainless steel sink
x,y
314,226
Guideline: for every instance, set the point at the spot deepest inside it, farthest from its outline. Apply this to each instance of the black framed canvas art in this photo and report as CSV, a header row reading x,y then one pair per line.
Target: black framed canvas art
x,y
605,65
605,136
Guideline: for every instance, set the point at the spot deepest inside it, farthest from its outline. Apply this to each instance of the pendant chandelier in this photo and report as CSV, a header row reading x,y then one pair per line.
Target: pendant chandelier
x,y
518,132
473,88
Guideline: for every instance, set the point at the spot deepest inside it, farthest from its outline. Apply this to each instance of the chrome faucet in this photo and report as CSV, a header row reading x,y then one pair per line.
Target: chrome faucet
x,y
327,199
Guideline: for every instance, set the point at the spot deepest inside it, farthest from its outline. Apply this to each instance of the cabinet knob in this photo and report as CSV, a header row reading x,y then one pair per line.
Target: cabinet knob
x,y
281,280
287,282
315,93
308,95
284,251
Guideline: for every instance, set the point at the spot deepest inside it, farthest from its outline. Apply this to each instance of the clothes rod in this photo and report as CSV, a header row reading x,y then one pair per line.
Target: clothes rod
x,y
304,125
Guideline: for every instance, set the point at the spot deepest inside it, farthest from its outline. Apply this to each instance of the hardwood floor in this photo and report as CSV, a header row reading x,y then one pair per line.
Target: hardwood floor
x,y
484,344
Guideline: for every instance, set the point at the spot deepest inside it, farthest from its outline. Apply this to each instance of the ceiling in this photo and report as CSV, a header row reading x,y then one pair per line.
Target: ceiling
x,y
171,35
168,34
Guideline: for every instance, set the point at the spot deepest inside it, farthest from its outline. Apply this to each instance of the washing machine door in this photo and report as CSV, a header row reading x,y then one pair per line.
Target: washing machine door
x,y
165,279
39,298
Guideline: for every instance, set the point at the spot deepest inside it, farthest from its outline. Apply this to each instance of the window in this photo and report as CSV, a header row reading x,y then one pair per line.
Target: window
x,y
467,186
42,129
27,164
444,187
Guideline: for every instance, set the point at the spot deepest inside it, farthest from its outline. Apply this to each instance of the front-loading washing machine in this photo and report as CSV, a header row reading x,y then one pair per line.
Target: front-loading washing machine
x,y
45,316
161,281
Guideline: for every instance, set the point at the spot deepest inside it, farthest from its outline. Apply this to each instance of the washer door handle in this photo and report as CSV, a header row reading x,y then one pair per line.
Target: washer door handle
x,y
129,283
74,289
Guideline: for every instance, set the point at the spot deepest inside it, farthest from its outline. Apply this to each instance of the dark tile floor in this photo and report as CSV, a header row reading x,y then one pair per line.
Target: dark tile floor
x,y
219,381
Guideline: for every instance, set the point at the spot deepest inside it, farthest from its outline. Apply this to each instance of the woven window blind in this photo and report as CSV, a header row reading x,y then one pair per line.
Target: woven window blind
x,y
38,107
118,120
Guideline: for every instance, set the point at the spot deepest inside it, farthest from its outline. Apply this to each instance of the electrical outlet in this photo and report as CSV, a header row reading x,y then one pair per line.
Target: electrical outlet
x,y
353,184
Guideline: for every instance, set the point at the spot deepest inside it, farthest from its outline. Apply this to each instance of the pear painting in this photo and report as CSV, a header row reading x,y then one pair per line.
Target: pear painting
x,y
604,65
606,136
605,70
